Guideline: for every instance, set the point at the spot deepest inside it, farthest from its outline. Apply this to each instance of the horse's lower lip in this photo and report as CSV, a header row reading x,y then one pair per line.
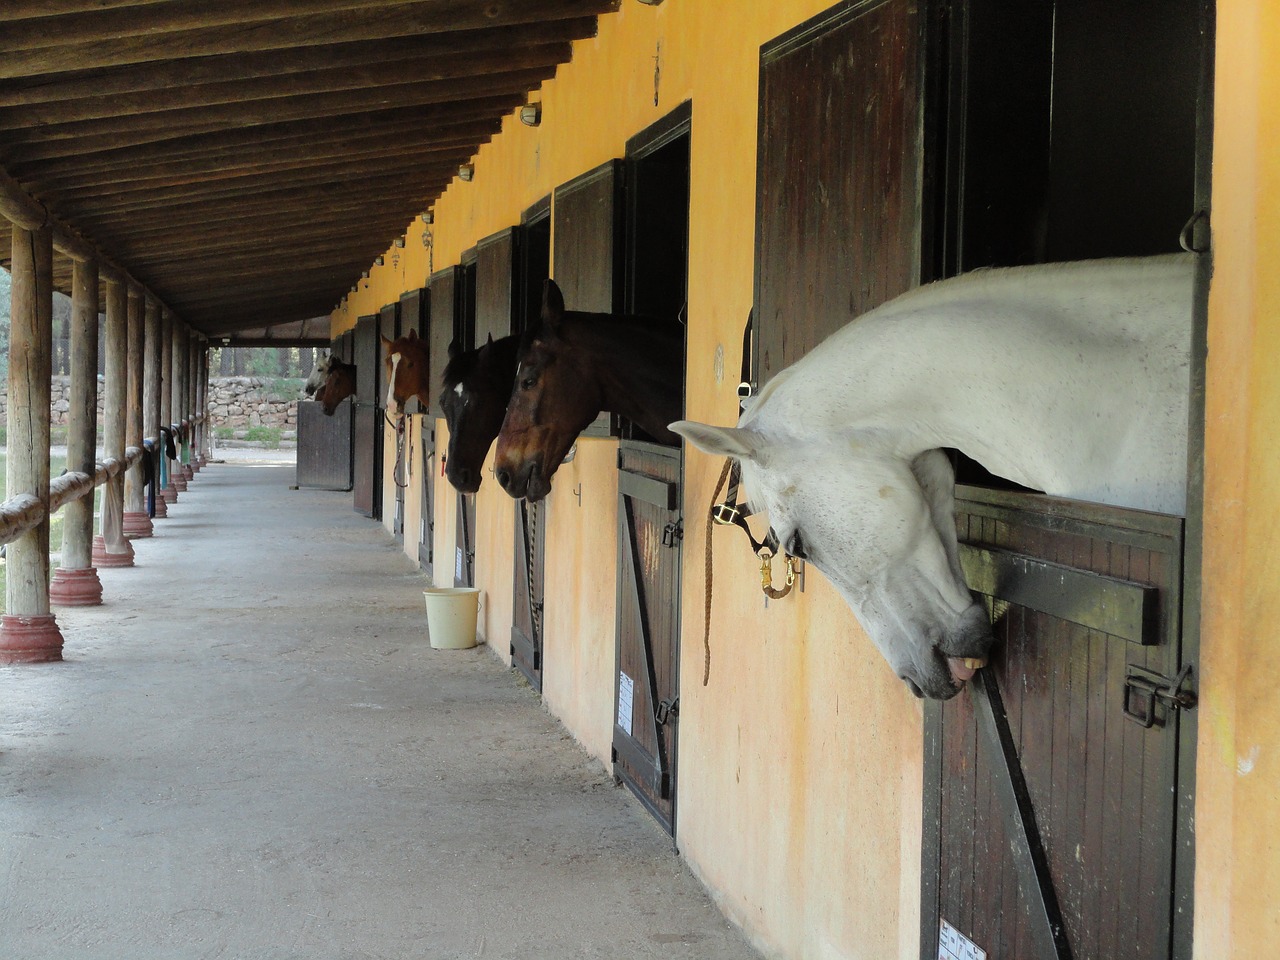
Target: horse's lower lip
x,y
963,668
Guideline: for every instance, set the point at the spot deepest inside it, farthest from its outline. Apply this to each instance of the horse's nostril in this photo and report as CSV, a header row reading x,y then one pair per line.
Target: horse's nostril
x,y
464,475
503,477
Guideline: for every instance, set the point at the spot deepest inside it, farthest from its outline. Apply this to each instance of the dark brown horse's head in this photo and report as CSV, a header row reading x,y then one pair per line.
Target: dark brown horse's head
x,y
405,360
338,385
555,396
477,384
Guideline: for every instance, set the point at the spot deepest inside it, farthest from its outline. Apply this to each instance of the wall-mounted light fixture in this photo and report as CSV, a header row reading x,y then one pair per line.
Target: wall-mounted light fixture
x,y
652,3
466,171
378,260
531,114
400,242
428,217
353,289
364,274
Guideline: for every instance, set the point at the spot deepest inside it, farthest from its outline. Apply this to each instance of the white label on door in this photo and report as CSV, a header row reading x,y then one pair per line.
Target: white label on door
x,y
457,566
626,693
954,945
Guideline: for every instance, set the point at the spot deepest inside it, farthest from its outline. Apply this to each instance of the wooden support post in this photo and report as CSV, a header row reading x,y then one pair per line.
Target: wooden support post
x,y
28,631
197,390
137,522
167,325
193,364
151,389
111,548
206,429
179,401
75,582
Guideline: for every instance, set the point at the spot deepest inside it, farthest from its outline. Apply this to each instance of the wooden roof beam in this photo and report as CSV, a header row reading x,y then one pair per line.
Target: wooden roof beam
x,y
101,45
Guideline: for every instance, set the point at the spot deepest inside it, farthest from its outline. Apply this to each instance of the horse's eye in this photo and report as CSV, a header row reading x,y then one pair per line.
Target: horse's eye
x,y
795,546
527,383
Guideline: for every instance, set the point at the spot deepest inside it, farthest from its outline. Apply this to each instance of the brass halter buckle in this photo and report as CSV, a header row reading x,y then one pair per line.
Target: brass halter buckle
x,y
766,576
724,514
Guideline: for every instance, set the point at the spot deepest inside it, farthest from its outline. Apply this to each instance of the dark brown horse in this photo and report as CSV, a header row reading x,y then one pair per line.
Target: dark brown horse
x,y
407,369
339,384
573,366
477,385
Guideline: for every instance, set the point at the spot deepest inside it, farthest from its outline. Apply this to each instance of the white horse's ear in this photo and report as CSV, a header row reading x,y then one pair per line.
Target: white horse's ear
x,y
721,441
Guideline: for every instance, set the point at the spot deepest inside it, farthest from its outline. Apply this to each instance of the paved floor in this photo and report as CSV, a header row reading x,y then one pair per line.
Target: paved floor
x,y
252,751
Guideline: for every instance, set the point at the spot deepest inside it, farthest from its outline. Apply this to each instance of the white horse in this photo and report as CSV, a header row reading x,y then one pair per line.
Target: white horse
x,y
1067,378
318,376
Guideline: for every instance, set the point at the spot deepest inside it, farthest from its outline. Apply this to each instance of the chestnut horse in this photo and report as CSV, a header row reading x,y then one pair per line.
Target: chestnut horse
x,y
338,385
573,366
405,360
477,384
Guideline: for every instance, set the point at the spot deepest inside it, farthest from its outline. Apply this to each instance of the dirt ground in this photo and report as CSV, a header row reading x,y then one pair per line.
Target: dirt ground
x,y
252,752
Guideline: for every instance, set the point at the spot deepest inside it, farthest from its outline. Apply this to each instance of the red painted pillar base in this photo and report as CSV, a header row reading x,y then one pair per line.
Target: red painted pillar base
x,y
162,508
188,472
30,639
75,588
169,493
103,559
137,525
179,481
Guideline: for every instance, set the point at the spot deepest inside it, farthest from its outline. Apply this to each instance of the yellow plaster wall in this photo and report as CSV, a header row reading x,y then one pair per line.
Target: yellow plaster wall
x,y
800,762
495,561
1238,763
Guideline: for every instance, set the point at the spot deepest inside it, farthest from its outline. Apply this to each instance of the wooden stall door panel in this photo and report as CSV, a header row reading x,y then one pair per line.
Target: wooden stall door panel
x,y
324,447
588,231
495,286
1101,786
464,559
526,627
366,458
413,317
838,191
442,307
427,520
647,688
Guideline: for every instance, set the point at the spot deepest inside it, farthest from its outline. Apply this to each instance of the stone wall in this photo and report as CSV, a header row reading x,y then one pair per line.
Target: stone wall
x,y
233,402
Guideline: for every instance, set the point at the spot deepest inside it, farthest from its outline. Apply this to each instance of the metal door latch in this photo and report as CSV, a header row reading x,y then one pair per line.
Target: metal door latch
x,y
1144,689
666,710
672,532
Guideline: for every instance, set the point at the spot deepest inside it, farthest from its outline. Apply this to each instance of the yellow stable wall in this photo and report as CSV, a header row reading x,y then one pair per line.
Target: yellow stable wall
x,y
1238,769
799,781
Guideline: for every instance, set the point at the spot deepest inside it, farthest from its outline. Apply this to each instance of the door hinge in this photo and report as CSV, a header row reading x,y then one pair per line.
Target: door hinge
x,y
1146,691
673,533
666,710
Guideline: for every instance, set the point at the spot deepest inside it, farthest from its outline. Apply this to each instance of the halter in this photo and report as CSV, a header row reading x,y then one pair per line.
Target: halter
x,y
729,512
398,426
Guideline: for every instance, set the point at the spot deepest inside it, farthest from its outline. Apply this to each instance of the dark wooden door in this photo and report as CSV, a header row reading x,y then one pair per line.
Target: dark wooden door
x,y
324,447
838,179
1073,132
413,318
648,624
529,589
497,257
589,218
389,327
441,327
367,420
466,292
533,258
1064,815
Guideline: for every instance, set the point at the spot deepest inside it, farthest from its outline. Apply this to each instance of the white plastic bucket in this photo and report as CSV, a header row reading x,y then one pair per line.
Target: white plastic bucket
x,y
451,616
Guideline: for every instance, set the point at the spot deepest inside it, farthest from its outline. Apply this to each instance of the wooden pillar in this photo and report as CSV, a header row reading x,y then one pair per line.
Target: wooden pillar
x,y
168,327
75,582
28,631
151,389
198,355
180,354
111,548
137,523
176,479
207,427
193,365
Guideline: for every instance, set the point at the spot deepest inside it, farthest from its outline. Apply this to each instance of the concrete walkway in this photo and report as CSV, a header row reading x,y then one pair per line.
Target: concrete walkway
x,y
252,751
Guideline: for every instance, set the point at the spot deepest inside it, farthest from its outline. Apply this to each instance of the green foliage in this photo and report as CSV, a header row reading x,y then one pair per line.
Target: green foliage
x,y
283,388
223,433
264,434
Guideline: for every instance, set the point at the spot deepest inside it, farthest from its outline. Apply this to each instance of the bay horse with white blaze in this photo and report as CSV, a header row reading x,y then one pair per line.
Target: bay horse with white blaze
x,y
477,385
571,367
1073,379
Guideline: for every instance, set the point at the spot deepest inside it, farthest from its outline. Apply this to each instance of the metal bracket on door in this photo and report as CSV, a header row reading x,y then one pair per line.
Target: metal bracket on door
x,y
666,710
1144,689
672,533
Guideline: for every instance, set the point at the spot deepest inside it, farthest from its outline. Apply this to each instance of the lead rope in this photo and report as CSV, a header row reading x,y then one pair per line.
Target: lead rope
x,y
711,523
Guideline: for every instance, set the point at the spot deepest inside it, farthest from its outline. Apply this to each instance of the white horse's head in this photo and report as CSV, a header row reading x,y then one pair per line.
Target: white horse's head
x,y
881,528
318,375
